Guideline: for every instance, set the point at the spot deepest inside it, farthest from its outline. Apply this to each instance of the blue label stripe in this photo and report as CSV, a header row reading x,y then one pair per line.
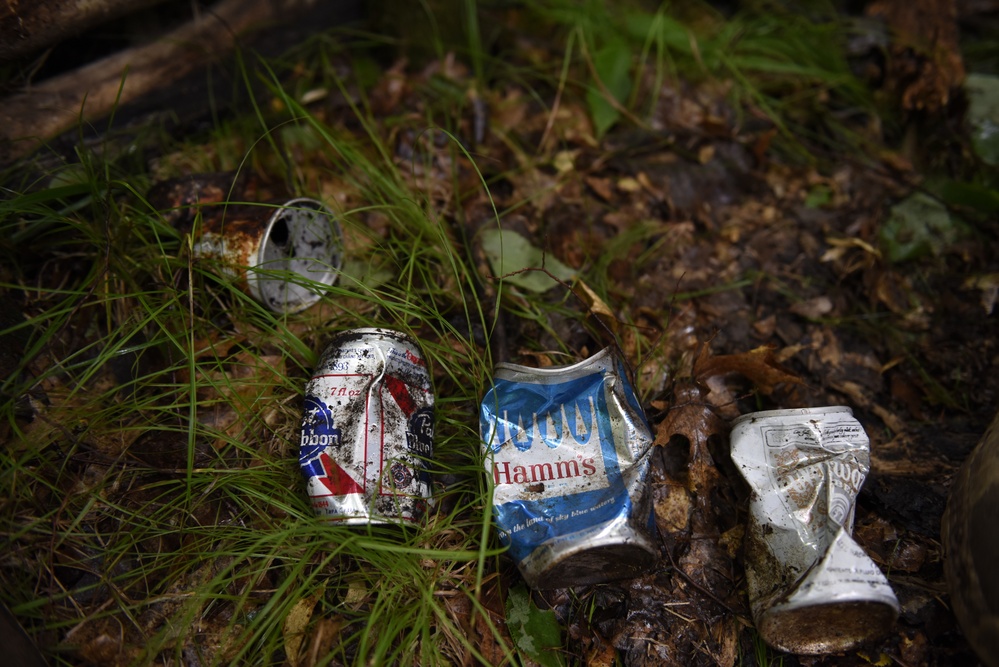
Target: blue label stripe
x,y
525,415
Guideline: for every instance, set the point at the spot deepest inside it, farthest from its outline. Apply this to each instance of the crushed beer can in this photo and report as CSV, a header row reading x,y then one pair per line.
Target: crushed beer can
x,y
568,452
367,432
812,588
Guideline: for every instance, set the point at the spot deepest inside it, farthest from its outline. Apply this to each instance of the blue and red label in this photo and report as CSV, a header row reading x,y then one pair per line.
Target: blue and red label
x,y
319,438
363,439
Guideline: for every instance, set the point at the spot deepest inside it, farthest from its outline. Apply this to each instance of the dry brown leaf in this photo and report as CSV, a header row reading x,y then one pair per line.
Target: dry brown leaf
x,y
690,416
602,187
685,490
813,309
295,625
894,291
731,539
765,328
838,246
908,556
827,347
480,630
596,306
324,638
693,419
508,111
629,184
602,655
860,395
390,89
759,366
988,283
673,508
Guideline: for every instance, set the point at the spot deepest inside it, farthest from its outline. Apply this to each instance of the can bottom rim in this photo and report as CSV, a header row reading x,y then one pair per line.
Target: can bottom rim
x,y
595,564
826,628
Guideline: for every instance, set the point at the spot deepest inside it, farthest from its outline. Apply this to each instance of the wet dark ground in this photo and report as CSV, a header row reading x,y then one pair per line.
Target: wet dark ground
x,y
909,347
705,245
707,251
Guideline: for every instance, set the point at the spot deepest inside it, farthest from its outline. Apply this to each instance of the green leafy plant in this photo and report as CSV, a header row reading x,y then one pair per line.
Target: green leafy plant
x,y
612,84
536,632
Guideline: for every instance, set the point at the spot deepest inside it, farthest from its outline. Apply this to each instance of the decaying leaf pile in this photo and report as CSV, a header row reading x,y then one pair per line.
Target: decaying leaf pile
x,y
730,278
750,285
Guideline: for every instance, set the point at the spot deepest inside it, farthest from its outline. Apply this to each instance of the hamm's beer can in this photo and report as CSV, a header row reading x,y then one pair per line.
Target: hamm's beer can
x,y
567,450
367,431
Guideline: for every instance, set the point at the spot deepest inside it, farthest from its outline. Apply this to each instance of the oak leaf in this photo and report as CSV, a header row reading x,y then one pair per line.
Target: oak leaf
x,y
759,366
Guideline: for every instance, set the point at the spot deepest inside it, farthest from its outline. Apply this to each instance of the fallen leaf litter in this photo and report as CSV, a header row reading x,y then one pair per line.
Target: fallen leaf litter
x,y
765,283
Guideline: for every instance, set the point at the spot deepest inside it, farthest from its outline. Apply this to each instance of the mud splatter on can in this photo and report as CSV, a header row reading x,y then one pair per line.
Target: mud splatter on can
x,y
812,589
567,450
367,432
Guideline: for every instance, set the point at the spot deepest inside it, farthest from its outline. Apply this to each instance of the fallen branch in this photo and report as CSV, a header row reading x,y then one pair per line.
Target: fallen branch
x,y
93,91
27,26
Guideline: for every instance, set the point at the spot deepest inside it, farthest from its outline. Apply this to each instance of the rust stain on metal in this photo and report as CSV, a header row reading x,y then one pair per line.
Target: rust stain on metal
x,y
179,200
281,252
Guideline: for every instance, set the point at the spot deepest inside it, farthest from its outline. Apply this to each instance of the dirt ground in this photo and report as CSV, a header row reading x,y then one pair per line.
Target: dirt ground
x,y
737,281
911,349
758,294
759,286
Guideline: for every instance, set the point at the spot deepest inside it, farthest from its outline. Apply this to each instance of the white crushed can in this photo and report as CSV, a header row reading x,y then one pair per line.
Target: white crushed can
x,y
812,588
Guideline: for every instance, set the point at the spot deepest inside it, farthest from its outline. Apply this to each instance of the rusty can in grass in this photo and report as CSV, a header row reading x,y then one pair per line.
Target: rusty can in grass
x,y
284,253
812,588
367,430
568,452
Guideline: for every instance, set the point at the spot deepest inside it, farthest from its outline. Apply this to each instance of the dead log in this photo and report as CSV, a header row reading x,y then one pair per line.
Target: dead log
x,y
30,117
29,25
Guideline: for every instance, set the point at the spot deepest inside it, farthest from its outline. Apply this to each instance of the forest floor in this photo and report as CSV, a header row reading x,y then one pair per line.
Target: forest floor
x,y
739,254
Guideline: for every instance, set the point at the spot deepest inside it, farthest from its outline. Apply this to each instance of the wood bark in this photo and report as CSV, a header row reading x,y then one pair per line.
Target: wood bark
x,y
31,25
91,92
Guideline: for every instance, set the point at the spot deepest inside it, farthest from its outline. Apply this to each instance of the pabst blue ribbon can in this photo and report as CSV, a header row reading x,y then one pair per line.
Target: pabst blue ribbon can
x,y
368,428
568,452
